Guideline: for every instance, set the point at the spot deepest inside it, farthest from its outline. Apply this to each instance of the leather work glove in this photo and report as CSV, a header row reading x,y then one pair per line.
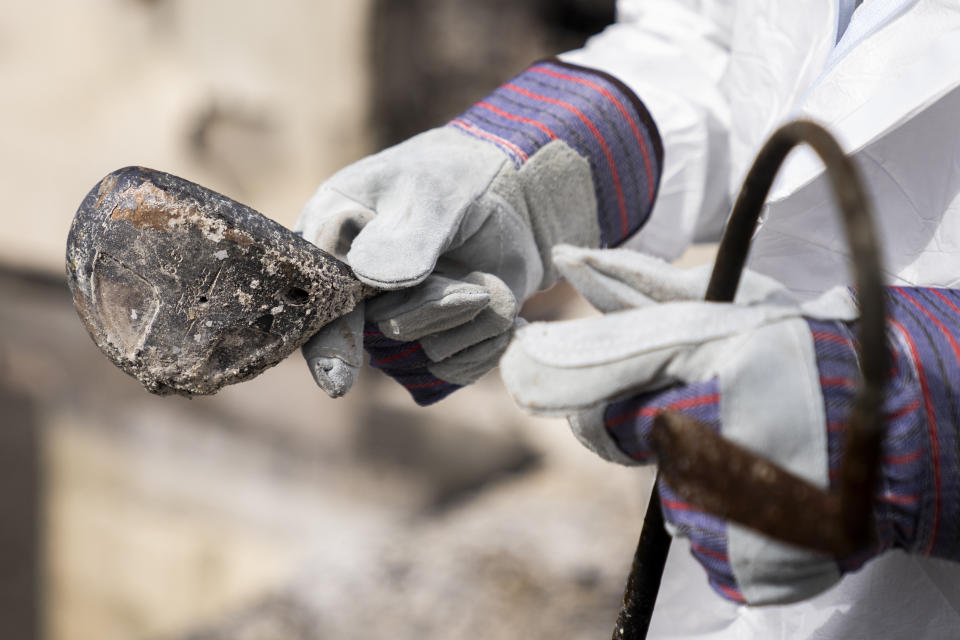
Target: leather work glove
x,y
774,376
455,225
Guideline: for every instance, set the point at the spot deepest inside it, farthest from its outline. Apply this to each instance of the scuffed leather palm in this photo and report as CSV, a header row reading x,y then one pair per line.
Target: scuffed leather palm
x,y
772,375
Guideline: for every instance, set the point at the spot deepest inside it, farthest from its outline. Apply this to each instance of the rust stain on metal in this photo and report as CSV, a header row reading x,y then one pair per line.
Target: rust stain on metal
x,y
146,206
238,237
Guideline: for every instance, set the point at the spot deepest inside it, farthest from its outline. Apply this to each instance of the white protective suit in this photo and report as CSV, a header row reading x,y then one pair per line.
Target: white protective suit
x,y
718,76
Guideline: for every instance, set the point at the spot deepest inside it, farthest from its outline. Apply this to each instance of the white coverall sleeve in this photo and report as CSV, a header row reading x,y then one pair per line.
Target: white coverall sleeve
x,y
673,54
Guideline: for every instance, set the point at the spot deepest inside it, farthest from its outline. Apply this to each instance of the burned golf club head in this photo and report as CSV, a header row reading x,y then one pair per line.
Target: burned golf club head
x,y
187,290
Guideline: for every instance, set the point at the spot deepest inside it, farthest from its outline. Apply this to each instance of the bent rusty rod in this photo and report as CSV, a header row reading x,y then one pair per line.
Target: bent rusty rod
x,y
845,518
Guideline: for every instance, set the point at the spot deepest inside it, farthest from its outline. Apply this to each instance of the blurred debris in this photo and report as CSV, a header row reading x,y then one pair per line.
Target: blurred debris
x,y
21,533
431,59
271,507
276,92
278,617
525,561
237,141
451,462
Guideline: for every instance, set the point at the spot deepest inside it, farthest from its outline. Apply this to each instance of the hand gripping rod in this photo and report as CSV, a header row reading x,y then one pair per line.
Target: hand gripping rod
x,y
727,480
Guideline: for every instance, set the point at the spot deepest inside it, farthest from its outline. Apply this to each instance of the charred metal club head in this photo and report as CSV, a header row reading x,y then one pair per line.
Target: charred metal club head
x,y
187,290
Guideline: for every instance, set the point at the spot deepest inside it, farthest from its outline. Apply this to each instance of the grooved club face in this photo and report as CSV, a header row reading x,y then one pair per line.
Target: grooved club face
x,y
188,290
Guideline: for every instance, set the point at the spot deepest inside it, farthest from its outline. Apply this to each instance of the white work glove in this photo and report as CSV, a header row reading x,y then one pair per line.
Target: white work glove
x,y
456,224
445,225
657,332
770,375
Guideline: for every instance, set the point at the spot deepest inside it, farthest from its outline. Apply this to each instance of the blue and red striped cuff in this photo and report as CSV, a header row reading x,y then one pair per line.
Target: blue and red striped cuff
x,y
597,116
917,506
918,501
629,422
406,363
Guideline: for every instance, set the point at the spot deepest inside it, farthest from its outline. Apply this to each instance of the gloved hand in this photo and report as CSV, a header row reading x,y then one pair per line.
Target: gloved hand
x,y
455,225
768,373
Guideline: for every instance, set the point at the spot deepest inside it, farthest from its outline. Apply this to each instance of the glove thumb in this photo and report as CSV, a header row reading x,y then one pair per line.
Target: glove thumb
x,y
400,249
393,249
335,353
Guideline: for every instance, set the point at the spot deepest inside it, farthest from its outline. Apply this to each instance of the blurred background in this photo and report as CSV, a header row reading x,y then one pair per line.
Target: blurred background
x,y
270,512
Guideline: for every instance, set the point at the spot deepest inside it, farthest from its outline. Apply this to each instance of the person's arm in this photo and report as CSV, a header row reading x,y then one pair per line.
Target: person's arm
x,y
769,374
673,54
457,224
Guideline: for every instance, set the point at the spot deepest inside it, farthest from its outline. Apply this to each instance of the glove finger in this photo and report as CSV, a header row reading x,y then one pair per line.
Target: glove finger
x,y
335,376
332,221
469,365
564,367
335,353
617,279
437,304
493,320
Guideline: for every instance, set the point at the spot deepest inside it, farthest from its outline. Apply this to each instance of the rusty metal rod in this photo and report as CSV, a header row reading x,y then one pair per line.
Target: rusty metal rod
x,y
646,572
862,446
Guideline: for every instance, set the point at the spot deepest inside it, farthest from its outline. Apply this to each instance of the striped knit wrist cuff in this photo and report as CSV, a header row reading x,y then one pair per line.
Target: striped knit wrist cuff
x,y
406,363
918,501
630,422
597,116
